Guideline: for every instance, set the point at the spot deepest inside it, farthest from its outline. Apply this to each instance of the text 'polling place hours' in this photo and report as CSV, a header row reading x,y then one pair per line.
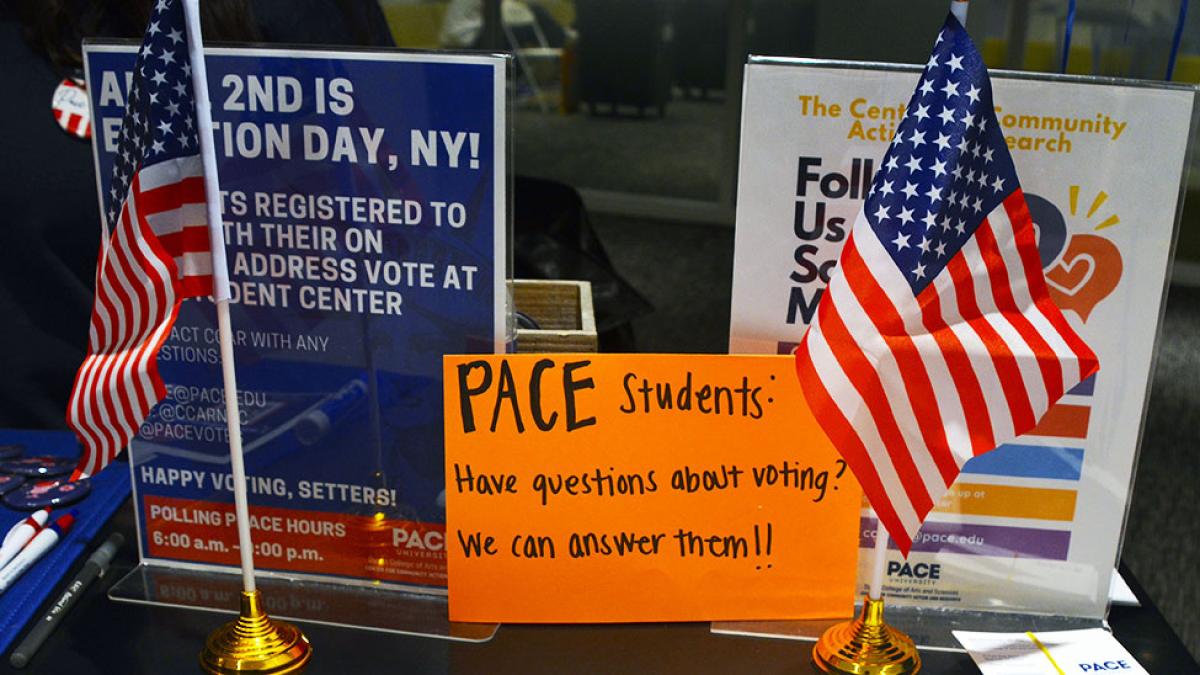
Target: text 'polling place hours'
x,y
642,487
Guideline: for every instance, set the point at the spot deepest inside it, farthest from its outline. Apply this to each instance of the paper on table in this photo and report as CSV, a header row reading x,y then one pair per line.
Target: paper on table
x,y
1092,650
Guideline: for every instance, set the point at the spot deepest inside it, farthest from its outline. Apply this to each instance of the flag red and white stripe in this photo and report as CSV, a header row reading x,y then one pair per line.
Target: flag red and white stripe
x,y
911,387
157,254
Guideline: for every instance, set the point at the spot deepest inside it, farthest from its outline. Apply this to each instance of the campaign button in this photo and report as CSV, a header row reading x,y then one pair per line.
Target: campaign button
x,y
39,467
70,107
53,494
9,482
11,451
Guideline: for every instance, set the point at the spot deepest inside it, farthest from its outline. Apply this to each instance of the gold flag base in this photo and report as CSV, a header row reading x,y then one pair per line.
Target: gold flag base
x,y
866,646
255,644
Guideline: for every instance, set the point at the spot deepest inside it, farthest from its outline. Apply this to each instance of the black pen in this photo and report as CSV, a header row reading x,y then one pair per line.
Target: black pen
x,y
95,566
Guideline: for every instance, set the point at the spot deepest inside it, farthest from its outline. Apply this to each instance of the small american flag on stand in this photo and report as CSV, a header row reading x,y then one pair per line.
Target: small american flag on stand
x,y
936,340
158,252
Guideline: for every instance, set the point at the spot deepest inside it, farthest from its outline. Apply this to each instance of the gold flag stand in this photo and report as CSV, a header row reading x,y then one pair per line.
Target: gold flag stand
x,y
866,646
255,643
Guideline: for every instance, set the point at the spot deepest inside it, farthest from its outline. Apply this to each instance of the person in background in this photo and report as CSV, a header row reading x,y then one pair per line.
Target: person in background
x,y
49,215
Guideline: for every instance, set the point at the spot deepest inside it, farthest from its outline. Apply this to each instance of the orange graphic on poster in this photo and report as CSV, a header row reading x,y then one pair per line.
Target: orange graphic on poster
x,y
640,487
1089,271
1090,266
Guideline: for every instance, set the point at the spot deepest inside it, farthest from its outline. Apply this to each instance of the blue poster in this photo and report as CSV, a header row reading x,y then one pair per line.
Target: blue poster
x,y
364,199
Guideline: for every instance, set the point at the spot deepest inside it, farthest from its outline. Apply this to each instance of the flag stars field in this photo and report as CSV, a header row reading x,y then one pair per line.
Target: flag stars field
x,y
943,127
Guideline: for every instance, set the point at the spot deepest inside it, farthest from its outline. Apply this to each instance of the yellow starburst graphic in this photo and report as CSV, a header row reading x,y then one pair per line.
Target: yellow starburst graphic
x,y
1097,202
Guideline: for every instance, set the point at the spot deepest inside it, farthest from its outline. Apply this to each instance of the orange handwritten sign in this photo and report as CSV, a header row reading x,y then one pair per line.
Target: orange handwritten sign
x,y
647,487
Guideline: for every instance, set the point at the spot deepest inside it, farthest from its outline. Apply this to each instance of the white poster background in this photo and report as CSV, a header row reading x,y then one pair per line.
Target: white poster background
x,y
1108,157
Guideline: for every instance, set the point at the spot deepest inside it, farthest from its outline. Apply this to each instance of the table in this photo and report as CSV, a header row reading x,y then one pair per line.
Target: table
x,y
101,636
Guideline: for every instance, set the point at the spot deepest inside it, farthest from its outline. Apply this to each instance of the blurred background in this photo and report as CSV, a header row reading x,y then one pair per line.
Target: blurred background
x,y
636,102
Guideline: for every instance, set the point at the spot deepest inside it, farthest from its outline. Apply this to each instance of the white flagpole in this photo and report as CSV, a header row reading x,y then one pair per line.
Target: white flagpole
x,y
875,590
220,276
959,9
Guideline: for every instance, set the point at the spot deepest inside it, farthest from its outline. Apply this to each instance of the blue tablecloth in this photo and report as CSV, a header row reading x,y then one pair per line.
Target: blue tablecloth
x,y
109,489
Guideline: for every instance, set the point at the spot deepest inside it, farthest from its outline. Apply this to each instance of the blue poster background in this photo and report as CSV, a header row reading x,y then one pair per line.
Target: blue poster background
x,y
339,373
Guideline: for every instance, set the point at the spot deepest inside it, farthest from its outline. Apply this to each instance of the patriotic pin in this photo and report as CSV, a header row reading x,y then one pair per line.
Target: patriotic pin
x,y
47,494
70,106
38,467
8,483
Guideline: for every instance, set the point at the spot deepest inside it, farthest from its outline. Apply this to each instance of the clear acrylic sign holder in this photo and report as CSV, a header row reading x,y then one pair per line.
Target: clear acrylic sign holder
x,y
367,198
1030,533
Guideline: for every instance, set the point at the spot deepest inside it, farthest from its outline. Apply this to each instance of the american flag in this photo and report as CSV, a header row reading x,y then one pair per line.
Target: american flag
x,y
936,340
158,252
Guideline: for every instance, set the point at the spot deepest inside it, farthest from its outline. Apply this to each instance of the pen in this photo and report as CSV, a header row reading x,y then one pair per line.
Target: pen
x,y
35,549
20,534
38,519
96,566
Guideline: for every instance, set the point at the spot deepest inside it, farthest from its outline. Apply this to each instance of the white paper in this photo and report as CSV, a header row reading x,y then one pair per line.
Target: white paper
x,y
1093,650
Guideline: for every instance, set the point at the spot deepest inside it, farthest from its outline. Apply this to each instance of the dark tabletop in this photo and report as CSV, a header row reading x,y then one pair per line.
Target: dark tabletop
x,y
102,636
